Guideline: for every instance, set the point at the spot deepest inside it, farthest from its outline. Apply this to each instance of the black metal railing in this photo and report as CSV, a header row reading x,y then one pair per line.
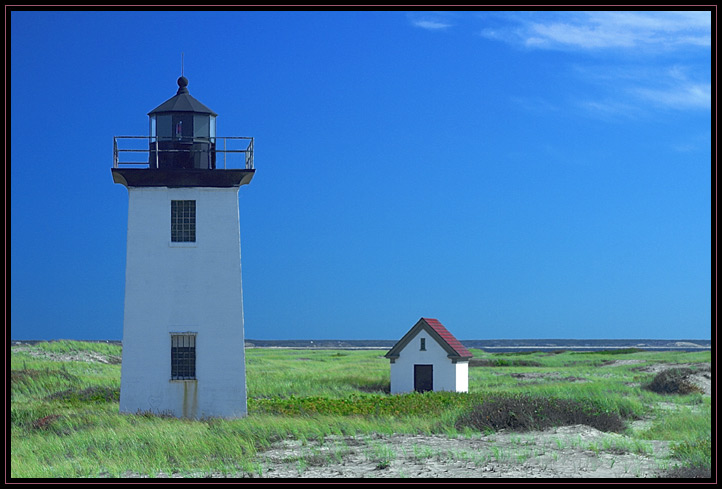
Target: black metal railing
x,y
233,149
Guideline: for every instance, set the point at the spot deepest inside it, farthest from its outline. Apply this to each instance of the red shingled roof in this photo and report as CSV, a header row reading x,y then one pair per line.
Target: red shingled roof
x,y
448,337
437,330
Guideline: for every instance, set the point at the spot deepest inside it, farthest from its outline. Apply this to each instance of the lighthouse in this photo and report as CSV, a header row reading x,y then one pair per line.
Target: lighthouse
x,y
183,341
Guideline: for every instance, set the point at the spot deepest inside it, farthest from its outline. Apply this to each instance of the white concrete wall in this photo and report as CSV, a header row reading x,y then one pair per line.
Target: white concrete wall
x,y
447,376
183,287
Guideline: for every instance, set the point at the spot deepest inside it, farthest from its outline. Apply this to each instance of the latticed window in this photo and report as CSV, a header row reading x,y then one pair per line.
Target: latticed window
x,y
183,220
183,356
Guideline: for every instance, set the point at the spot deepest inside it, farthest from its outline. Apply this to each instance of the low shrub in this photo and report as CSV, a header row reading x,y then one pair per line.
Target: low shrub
x,y
673,381
525,413
412,404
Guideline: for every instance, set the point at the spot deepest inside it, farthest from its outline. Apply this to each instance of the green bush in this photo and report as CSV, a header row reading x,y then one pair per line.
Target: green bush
x,y
525,413
412,404
673,381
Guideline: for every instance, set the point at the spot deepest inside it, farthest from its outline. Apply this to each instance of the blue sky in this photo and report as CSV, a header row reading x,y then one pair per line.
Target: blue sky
x,y
512,174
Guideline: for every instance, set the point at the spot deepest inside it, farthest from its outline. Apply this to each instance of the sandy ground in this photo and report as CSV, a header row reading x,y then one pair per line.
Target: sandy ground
x,y
567,452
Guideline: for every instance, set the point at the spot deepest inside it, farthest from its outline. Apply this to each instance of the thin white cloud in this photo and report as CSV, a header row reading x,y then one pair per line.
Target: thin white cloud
x,y
606,30
682,96
583,36
430,24
638,55
630,95
677,87
430,21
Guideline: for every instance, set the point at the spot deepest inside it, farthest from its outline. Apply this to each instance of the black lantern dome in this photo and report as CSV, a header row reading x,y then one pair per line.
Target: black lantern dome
x,y
182,149
183,133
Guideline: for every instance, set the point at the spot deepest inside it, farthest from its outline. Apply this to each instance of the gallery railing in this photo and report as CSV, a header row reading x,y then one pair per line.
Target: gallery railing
x,y
156,150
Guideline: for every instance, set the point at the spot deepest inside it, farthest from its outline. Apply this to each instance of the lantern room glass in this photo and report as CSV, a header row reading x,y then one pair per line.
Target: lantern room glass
x,y
184,139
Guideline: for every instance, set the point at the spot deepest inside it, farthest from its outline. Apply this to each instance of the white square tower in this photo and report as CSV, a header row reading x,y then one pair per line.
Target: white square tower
x,y
183,342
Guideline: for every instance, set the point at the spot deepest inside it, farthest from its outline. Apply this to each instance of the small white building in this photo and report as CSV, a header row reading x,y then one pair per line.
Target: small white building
x,y
429,358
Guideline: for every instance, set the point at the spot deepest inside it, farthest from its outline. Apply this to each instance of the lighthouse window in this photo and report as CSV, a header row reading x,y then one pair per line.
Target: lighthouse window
x,y
163,127
183,357
201,127
183,220
182,126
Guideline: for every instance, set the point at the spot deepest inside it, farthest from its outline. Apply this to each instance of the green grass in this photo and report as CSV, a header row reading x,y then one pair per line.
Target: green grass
x,y
65,423
286,373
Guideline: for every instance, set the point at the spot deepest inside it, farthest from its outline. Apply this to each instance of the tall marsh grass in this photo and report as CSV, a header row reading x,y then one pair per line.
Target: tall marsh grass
x,y
65,423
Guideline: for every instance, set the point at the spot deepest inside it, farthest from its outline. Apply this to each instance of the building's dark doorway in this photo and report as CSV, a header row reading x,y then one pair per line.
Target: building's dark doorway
x,y
423,378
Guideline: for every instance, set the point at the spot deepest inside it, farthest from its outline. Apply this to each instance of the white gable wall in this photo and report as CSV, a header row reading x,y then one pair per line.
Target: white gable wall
x,y
447,376
183,288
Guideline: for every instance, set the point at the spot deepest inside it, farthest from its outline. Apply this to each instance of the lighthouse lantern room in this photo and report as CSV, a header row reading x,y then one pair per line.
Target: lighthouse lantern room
x,y
183,341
